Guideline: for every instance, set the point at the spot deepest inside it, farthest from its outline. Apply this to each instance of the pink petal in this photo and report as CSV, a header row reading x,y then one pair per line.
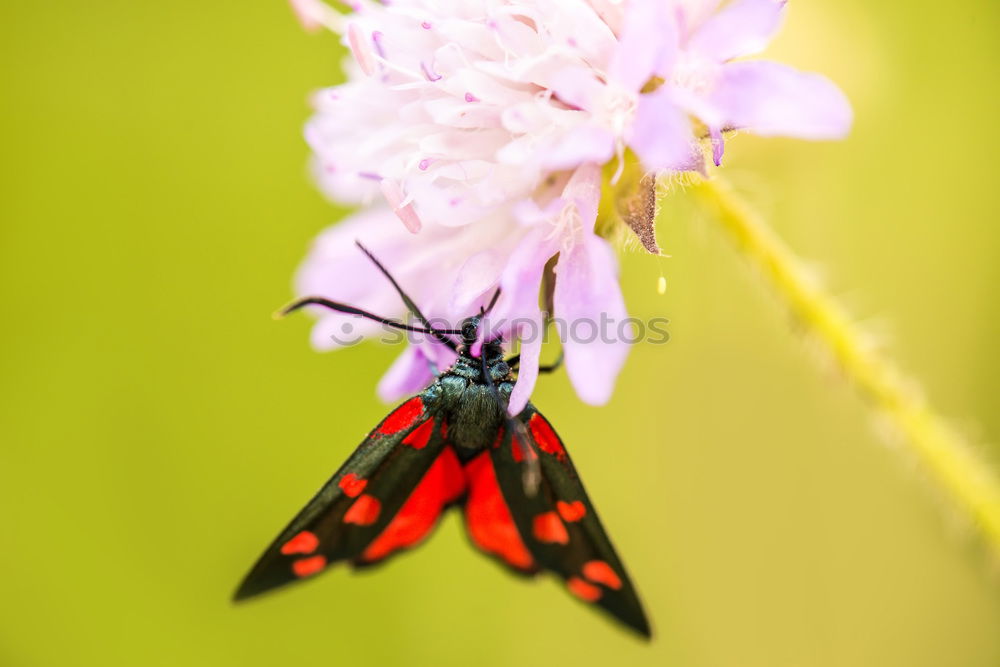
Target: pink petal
x,y
742,28
584,189
770,99
661,133
522,277
693,13
305,12
647,45
442,356
335,268
478,275
527,374
611,12
588,299
403,209
577,86
517,309
361,48
316,14
584,29
587,144
409,373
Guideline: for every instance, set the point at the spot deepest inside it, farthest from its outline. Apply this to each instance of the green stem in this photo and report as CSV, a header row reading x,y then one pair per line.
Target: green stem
x,y
952,463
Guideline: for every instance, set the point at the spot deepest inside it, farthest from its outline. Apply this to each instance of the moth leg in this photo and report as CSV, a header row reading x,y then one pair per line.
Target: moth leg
x,y
515,361
554,366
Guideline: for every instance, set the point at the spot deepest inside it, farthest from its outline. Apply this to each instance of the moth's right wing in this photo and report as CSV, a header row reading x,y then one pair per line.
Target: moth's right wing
x,y
557,524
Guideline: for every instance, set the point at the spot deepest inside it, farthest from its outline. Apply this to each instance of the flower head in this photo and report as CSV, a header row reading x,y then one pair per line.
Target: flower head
x,y
490,128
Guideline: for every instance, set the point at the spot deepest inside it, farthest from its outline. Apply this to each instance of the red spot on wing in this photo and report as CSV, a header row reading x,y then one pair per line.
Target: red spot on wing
x,y
303,543
421,435
548,527
364,511
443,483
573,511
499,440
488,518
583,590
546,438
352,485
304,567
402,417
600,572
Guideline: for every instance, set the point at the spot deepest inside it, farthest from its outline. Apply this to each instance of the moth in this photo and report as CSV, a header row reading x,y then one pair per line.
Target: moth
x,y
455,445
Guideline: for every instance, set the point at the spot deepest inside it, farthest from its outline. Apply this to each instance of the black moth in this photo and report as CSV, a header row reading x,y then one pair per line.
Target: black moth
x,y
453,444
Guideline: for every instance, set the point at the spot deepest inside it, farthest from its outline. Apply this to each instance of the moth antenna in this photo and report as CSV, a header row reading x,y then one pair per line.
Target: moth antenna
x,y
439,335
493,302
352,310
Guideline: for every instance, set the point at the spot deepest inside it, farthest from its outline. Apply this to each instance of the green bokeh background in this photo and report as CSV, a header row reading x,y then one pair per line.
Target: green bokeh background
x,y
158,427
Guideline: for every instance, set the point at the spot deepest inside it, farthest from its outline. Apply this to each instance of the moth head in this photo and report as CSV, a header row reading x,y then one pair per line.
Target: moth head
x,y
470,330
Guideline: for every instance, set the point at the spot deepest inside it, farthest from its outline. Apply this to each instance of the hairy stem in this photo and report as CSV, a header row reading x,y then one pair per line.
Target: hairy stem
x,y
965,478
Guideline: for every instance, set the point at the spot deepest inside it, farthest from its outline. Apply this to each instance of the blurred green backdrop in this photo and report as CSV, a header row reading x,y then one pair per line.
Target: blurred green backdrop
x,y
158,427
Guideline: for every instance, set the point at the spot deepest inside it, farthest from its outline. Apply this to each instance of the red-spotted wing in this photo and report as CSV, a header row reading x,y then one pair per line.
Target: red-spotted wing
x,y
386,497
558,527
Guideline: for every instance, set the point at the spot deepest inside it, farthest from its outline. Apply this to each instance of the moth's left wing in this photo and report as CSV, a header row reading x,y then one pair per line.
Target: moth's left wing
x,y
387,497
558,523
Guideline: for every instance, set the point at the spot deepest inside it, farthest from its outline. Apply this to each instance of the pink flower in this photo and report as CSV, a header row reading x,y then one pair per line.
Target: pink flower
x,y
484,126
701,81
450,272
